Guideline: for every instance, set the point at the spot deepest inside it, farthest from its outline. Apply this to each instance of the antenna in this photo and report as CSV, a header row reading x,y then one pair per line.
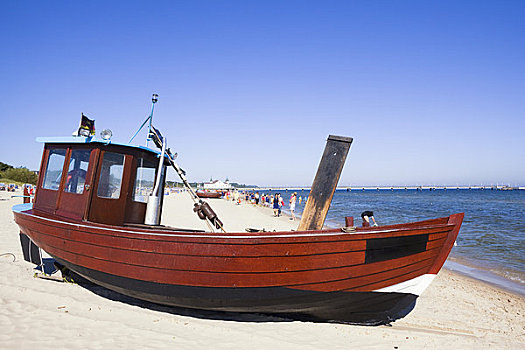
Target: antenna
x,y
154,100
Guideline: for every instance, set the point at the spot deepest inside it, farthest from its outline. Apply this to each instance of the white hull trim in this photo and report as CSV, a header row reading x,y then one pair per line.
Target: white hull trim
x,y
414,286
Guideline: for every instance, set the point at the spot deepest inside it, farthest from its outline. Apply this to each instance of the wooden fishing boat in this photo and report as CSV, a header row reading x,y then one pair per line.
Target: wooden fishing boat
x,y
90,214
209,194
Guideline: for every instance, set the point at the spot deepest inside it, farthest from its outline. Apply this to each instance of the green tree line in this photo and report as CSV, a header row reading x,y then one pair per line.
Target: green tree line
x,y
21,174
4,166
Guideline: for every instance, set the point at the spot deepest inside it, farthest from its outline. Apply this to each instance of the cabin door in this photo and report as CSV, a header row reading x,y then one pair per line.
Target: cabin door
x,y
77,183
110,189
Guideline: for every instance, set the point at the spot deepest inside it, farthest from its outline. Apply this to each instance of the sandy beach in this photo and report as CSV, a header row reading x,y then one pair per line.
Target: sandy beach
x,y
455,312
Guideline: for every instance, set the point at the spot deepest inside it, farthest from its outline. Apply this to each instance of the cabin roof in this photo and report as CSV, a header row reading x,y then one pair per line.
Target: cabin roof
x,y
91,140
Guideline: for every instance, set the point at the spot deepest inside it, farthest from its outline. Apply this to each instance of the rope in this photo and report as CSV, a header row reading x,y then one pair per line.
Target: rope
x,y
13,255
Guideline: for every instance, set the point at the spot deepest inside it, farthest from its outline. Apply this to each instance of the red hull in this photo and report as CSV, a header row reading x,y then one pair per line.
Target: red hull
x,y
328,261
209,194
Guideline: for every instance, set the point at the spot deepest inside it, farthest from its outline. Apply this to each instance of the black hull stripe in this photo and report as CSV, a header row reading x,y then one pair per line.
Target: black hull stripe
x,y
346,307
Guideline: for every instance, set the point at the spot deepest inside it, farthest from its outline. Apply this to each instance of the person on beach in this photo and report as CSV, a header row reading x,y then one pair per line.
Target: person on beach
x,y
275,202
256,198
368,217
281,204
292,205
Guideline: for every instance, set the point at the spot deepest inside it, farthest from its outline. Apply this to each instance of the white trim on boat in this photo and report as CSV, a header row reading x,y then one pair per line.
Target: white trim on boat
x,y
414,286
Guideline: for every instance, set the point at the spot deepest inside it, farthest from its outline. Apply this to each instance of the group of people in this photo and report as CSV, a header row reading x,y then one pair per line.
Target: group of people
x,y
274,201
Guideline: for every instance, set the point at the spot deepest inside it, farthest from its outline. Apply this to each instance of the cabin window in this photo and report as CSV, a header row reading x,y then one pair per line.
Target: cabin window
x,y
76,174
54,167
111,175
144,181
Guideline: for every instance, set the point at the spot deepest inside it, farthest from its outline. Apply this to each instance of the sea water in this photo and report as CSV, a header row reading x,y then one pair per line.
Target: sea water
x,y
491,242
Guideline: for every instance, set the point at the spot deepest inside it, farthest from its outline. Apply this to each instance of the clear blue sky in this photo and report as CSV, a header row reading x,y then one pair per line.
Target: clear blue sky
x,y
433,92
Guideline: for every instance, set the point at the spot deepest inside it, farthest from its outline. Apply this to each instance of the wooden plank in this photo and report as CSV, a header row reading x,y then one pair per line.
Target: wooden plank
x,y
212,264
370,282
218,246
325,182
49,277
455,219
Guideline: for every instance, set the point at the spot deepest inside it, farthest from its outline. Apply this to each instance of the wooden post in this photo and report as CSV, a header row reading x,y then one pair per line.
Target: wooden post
x,y
26,195
325,182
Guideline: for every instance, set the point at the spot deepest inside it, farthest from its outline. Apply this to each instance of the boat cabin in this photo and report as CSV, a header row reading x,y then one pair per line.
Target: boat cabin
x,y
95,180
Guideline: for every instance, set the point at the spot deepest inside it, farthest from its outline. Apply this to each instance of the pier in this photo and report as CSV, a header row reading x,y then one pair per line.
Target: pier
x,y
390,188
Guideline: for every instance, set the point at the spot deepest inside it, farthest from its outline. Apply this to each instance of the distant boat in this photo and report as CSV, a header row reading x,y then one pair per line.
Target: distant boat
x,y
209,194
90,216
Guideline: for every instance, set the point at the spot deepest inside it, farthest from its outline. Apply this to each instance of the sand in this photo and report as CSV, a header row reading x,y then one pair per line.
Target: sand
x,y
455,312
